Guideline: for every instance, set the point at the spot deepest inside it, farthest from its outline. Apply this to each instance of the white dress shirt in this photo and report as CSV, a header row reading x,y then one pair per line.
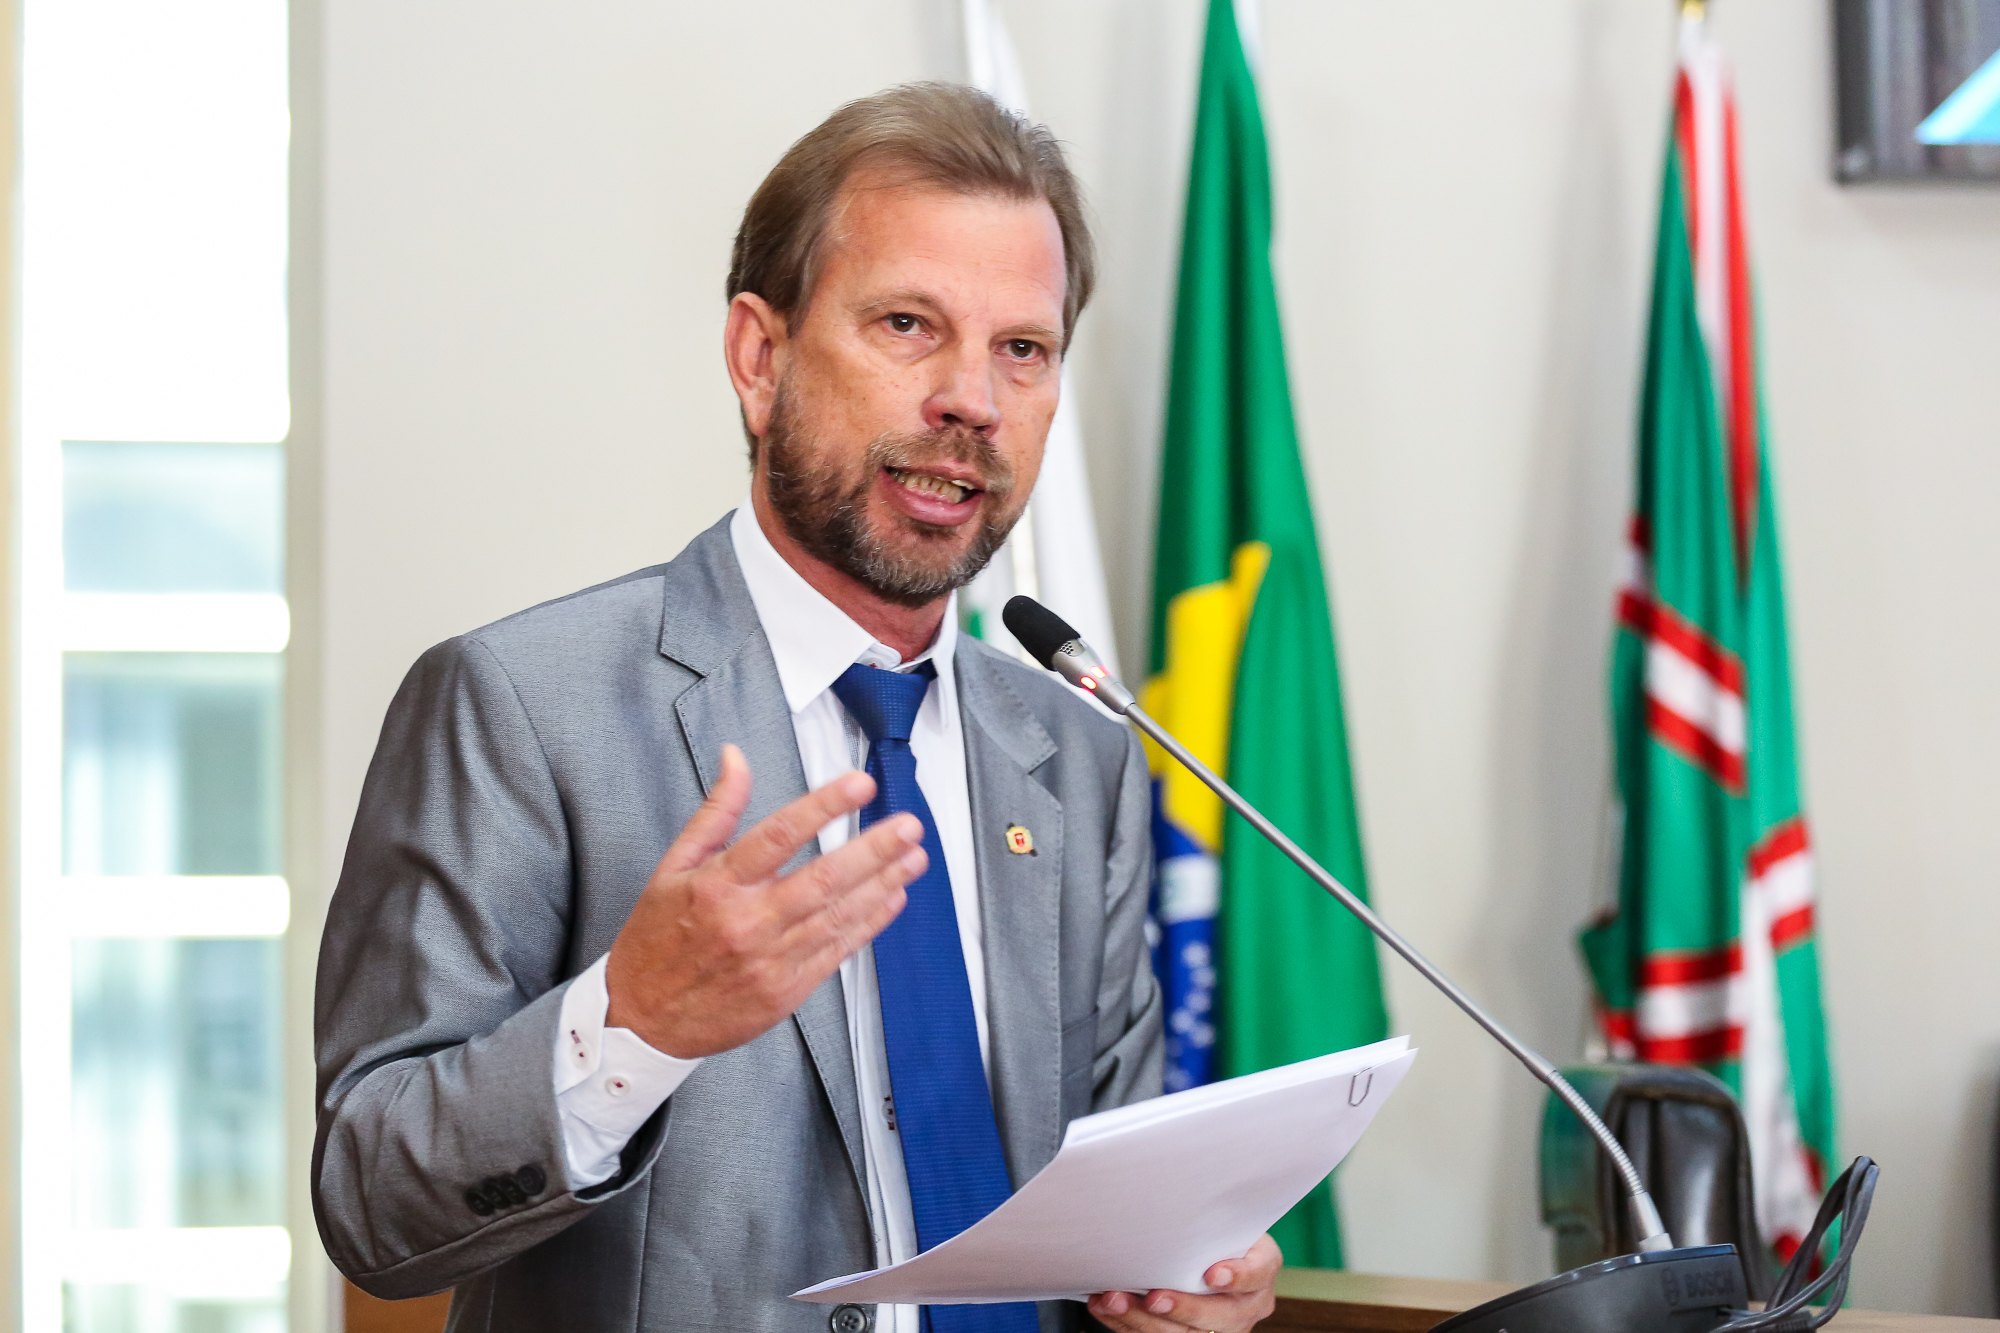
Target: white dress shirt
x,y
608,1081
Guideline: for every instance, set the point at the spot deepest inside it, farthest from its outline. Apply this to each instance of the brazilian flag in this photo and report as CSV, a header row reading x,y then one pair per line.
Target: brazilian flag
x,y
1260,967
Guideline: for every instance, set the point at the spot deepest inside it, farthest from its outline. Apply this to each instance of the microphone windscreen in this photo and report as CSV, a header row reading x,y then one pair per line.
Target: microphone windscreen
x,y
1040,630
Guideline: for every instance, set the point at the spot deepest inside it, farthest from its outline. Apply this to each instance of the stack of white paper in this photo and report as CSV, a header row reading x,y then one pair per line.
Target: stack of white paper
x,y
1151,1195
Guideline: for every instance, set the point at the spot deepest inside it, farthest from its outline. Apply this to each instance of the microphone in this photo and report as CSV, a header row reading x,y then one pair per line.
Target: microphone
x,y
1661,1289
1053,643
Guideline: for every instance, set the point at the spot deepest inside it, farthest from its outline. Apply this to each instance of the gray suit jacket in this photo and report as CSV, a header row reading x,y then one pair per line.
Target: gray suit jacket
x,y
528,777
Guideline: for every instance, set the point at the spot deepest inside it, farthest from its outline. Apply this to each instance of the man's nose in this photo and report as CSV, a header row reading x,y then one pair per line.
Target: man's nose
x,y
963,393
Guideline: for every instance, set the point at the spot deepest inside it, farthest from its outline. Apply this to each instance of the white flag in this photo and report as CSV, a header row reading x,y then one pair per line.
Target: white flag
x,y
1052,555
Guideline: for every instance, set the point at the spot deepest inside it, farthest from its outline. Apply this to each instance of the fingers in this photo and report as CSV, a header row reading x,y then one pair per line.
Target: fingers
x,y
1108,1308
708,832
1179,1310
1256,1270
1129,1312
827,880
850,921
759,853
1242,1296
1125,1312
812,948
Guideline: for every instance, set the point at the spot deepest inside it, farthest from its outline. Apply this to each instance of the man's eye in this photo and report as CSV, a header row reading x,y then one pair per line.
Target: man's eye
x,y
1021,349
903,323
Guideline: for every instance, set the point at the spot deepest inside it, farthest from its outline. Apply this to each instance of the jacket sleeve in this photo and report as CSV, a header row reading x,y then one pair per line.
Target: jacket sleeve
x,y
440,1151
1129,1054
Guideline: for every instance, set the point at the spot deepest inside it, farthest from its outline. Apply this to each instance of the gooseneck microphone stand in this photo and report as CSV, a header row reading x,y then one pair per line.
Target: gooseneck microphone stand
x,y
1058,647
1660,1289
1651,1232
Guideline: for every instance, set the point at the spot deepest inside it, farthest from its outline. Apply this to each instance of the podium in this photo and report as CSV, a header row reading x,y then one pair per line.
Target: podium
x,y
1315,1300
362,1313
1310,1300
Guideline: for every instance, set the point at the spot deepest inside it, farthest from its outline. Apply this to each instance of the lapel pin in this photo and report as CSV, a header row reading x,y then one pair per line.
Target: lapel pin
x,y
1019,840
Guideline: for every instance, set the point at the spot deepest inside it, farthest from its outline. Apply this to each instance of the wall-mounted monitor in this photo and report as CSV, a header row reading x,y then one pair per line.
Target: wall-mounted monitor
x,y
1919,90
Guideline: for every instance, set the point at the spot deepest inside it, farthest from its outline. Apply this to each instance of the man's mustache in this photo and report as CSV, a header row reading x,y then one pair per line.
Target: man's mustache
x,y
950,444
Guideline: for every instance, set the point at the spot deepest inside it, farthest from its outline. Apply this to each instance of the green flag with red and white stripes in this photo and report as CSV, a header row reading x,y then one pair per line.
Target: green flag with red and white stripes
x,y
1708,957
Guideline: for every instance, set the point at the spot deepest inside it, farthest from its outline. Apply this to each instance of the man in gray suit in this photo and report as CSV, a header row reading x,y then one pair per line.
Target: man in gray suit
x,y
592,1087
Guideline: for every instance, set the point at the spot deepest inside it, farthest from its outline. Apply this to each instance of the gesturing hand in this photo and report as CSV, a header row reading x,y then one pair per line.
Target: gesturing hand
x,y
1243,1295
718,949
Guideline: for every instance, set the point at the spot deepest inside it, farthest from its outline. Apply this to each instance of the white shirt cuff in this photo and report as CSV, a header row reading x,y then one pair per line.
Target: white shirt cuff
x,y
607,1080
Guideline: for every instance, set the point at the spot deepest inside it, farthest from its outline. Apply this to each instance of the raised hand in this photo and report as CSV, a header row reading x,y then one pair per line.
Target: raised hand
x,y
719,948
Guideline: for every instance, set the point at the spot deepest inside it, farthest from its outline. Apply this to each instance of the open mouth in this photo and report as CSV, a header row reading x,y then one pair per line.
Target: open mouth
x,y
943,488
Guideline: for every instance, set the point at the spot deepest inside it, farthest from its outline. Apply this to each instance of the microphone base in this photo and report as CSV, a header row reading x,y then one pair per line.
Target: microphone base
x,y
1691,1290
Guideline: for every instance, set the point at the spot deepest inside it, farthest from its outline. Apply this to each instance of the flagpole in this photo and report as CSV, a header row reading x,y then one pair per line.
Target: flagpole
x,y
1053,549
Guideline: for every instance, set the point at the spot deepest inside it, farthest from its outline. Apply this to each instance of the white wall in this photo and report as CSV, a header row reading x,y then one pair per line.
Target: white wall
x,y
525,216
1882,318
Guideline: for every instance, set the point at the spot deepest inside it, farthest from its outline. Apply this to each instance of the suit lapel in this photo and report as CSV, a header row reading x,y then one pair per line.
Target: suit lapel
x,y
1020,897
709,625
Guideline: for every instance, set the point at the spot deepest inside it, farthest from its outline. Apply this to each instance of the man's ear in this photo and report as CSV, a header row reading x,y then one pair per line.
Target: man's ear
x,y
754,343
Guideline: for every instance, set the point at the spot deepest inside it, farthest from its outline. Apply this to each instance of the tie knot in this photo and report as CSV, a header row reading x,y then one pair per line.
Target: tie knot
x,y
885,703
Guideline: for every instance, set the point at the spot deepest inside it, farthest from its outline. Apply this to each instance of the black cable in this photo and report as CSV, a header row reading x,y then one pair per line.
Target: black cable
x,y
1786,1312
1855,1191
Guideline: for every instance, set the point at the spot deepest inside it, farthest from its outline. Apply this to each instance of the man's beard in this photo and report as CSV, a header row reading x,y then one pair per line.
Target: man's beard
x,y
826,512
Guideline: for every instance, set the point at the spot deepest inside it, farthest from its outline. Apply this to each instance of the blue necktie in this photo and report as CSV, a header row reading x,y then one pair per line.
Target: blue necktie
x,y
944,1113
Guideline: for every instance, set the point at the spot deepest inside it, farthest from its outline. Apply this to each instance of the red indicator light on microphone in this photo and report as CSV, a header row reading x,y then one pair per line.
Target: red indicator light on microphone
x,y
1088,683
